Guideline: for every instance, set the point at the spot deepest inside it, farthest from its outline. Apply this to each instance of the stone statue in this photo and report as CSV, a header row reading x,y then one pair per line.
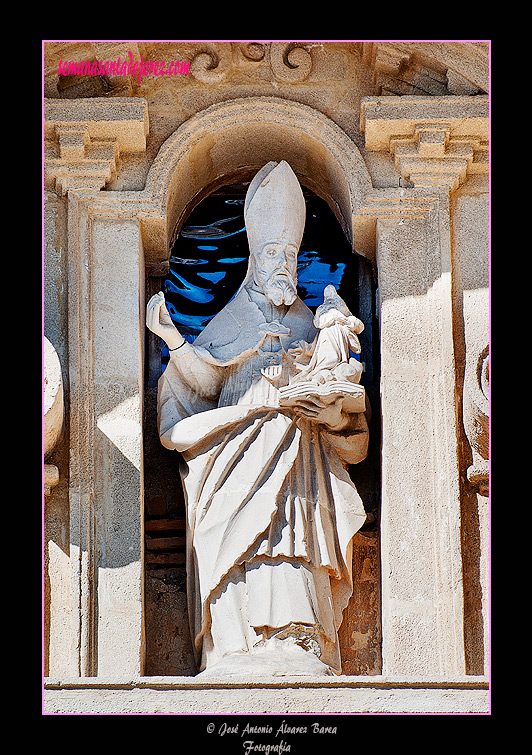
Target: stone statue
x,y
266,411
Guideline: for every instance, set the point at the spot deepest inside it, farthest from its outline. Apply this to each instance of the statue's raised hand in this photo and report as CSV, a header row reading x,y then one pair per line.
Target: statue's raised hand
x,y
158,320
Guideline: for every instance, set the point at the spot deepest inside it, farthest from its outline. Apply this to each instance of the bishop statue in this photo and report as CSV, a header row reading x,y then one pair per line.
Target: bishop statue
x,y
266,411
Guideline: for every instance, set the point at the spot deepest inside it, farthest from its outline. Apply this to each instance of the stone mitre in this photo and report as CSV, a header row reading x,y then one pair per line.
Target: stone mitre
x,y
274,208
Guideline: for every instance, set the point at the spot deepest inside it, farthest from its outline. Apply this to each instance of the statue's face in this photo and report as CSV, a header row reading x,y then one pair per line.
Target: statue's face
x,y
275,270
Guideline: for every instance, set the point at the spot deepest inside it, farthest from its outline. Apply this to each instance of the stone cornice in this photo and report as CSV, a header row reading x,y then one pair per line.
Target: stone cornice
x,y
83,139
434,67
434,141
338,694
268,682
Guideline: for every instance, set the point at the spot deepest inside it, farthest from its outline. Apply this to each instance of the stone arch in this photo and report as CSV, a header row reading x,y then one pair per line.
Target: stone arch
x,y
224,144
229,141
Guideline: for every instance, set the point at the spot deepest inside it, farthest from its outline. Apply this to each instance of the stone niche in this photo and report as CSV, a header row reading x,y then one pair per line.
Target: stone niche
x,y
324,157
119,240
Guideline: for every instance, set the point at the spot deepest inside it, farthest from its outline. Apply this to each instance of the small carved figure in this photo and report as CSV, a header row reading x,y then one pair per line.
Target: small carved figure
x,y
337,337
266,411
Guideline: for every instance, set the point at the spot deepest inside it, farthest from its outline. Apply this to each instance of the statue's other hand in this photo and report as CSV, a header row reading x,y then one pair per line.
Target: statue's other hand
x,y
158,320
329,415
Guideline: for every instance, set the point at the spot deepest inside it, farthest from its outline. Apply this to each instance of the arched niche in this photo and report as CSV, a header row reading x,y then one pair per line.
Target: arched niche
x,y
227,144
230,141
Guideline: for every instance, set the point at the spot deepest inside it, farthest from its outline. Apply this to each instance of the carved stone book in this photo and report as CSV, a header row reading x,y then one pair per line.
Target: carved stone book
x,y
353,395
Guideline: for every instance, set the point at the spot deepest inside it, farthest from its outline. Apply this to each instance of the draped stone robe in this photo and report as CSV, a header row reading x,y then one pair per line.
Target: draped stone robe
x,y
271,510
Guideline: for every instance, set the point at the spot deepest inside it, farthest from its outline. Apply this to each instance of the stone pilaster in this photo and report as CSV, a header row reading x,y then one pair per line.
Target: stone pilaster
x,y
83,143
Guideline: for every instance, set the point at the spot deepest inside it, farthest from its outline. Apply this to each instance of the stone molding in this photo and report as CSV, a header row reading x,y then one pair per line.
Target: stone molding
x,y
83,140
283,695
211,63
51,478
436,141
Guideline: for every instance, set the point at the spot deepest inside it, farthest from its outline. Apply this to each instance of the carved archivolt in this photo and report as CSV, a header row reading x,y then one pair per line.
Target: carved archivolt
x,y
251,129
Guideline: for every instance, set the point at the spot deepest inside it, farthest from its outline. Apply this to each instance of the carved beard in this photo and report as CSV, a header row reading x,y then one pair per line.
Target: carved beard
x,y
280,288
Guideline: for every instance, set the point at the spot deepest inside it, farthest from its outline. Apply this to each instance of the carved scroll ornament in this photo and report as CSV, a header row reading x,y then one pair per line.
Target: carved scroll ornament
x,y
289,62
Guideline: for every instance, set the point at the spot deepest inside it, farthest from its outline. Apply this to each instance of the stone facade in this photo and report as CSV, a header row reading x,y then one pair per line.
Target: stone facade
x,y
394,136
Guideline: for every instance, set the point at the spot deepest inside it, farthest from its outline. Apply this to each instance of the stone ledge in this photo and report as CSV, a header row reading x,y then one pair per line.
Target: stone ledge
x,y
193,682
340,694
124,119
384,117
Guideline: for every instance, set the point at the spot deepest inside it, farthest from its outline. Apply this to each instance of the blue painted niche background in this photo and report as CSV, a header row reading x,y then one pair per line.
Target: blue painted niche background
x,y
209,260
